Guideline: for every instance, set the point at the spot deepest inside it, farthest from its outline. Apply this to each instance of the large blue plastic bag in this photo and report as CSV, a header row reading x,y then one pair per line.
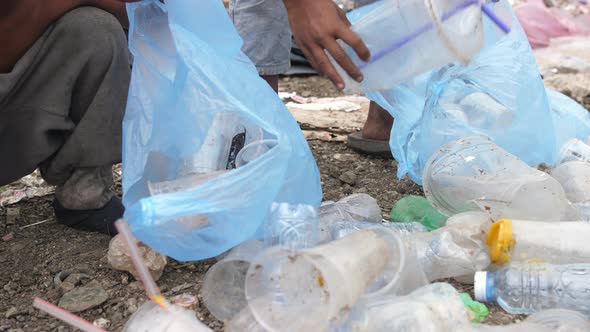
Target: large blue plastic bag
x,y
499,94
189,76
570,119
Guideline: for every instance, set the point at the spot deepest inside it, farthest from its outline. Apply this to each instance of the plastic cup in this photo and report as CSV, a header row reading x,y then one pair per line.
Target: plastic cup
x,y
244,321
223,287
253,151
316,288
410,37
474,174
153,318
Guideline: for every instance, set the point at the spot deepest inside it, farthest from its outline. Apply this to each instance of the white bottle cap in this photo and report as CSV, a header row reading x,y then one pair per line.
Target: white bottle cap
x,y
480,286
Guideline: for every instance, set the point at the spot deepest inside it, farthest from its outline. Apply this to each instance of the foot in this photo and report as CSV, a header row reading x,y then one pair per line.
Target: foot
x,y
378,124
99,220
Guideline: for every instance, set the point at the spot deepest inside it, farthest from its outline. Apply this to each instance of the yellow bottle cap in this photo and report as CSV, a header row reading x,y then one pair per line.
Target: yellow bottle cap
x,y
500,241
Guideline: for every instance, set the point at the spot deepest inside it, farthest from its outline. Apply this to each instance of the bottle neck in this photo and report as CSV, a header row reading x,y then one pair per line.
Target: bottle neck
x,y
491,287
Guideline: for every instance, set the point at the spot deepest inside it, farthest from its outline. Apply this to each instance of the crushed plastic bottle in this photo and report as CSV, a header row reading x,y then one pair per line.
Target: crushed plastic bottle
x,y
294,226
223,286
473,173
575,150
560,320
323,283
530,287
453,30
435,308
417,209
562,242
574,177
153,318
356,207
119,258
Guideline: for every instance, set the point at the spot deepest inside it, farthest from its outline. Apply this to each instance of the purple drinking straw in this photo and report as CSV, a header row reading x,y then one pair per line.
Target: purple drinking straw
x,y
401,42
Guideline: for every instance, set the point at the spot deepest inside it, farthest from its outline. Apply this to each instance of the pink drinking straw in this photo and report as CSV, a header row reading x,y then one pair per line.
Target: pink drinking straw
x,y
65,316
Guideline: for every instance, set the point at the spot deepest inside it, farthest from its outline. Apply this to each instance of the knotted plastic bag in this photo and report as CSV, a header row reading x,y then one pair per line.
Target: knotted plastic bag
x,y
208,145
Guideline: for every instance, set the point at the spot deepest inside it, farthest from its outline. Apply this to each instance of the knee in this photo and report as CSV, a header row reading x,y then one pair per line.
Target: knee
x,y
94,31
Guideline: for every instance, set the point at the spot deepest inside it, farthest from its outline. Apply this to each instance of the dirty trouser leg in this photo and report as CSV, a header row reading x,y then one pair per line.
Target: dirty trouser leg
x,y
62,106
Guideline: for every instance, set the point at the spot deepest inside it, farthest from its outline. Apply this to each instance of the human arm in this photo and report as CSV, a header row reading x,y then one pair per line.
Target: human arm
x,y
316,26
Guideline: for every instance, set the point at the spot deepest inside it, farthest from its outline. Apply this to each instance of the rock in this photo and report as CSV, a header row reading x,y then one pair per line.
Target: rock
x,y
8,237
72,281
10,287
348,177
11,312
305,93
102,323
120,260
83,298
345,157
12,215
361,190
132,305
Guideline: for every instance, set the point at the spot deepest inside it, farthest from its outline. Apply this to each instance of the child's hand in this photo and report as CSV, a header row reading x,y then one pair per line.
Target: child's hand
x,y
316,25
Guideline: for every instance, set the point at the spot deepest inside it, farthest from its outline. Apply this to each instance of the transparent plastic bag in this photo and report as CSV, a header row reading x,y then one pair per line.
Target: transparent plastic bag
x,y
208,146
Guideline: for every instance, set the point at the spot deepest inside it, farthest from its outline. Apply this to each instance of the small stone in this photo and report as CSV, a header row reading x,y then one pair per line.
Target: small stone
x,y
345,157
124,280
132,305
15,330
348,177
11,312
12,215
61,328
72,281
8,237
102,323
181,287
83,298
361,190
305,93
135,285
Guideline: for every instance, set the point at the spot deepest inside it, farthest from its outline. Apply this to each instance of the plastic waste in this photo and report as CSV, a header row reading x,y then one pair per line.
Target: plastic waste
x,y
446,104
570,119
543,24
341,229
185,119
453,30
151,317
478,311
564,55
417,209
353,208
436,307
244,321
574,150
560,320
292,225
574,177
473,173
120,259
223,286
524,240
322,283
530,287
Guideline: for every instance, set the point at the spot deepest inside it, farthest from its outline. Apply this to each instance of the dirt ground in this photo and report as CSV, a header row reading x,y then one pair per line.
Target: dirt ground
x,y
32,260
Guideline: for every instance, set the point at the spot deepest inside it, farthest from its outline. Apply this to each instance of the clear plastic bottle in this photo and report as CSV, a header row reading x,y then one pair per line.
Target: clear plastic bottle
x,y
560,320
575,149
574,177
530,287
434,308
357,207
474,174
341,229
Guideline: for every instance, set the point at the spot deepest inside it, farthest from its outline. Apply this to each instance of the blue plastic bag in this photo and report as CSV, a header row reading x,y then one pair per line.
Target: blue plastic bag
x,y
500,94
191,87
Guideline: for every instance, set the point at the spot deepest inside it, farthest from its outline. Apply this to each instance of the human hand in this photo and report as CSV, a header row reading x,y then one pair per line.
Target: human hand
x,y
316,26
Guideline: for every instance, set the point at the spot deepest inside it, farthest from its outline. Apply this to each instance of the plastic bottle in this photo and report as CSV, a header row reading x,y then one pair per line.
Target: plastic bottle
x,y
316,288
417,209
562,242
434,308
341,229
574,177
453,30
151,317
223,286
294,226
560,320
356,207
530,287
573,150
474,174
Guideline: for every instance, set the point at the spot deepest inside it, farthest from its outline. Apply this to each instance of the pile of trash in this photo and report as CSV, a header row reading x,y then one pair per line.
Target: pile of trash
x,y
211,171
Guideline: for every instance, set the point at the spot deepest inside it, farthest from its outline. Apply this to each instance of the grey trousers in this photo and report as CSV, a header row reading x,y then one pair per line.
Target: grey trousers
x,y
62,107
